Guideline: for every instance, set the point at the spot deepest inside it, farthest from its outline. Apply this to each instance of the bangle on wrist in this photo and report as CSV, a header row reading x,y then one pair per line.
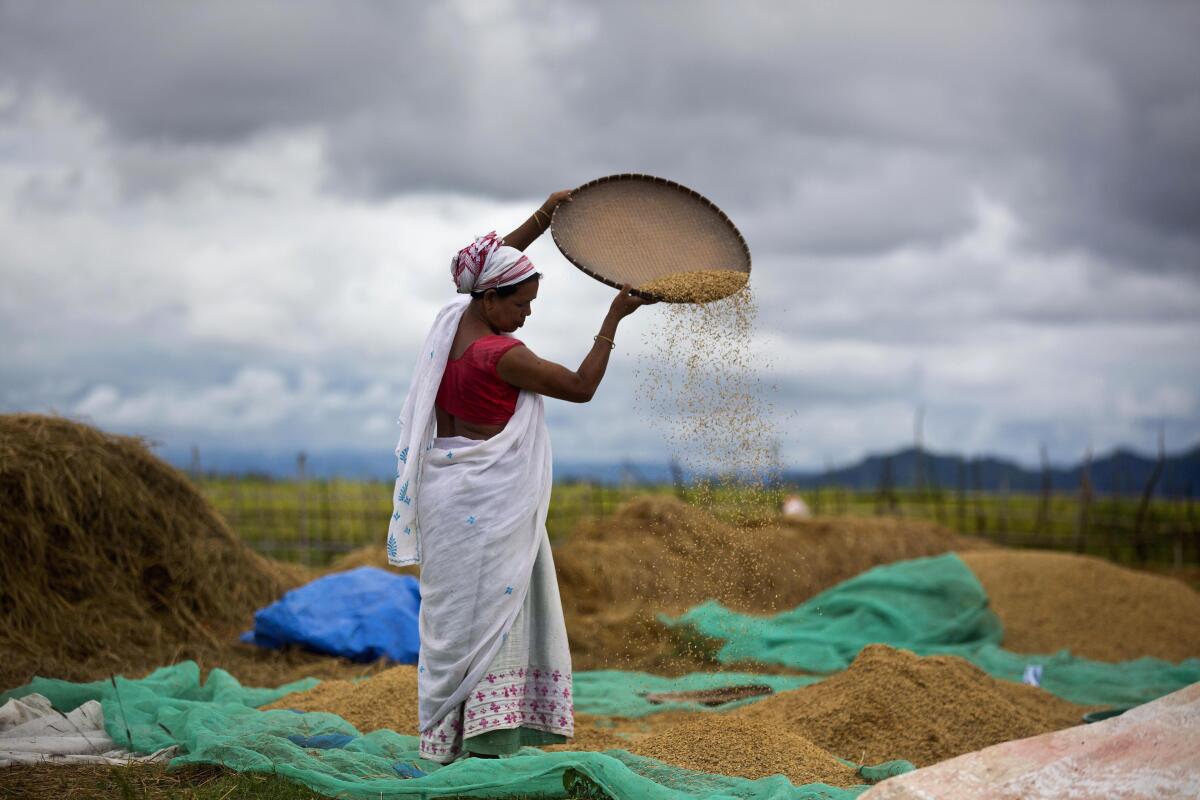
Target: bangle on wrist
x,y
611,344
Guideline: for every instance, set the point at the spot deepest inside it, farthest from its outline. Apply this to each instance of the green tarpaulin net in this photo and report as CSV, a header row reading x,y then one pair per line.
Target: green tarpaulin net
x,y
927,605
217,723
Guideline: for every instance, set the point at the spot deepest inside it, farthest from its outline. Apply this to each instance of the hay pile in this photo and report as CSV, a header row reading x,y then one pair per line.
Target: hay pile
x,y
111,556
893,704
745,749
1051,601
387,700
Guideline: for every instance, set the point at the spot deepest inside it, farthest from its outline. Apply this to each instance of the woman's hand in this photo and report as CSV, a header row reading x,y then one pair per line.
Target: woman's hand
x,y
625,303
553,200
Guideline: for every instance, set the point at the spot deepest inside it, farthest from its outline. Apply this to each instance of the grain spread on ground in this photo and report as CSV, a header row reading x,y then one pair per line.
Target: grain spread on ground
x,y
1095,609
700,286
746,749
387,700
893,704
655,555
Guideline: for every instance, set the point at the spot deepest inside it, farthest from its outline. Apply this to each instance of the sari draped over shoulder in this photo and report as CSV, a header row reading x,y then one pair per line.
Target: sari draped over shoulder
x,y
472,513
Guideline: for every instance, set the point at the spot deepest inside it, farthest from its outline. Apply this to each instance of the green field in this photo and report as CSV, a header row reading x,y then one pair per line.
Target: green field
x,y
314,521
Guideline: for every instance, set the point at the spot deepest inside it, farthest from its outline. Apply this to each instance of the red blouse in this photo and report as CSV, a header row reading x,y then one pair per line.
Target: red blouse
x,y
472,391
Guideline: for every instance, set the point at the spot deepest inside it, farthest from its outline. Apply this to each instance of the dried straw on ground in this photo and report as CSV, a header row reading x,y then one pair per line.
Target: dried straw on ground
x,y
387,700
893,704
747,749
1095,609
111,555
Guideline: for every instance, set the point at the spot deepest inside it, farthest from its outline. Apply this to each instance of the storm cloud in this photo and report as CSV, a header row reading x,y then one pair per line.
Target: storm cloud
x,y
989,210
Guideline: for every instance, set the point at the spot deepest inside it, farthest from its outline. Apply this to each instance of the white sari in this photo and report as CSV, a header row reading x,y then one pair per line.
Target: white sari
x,y
473,514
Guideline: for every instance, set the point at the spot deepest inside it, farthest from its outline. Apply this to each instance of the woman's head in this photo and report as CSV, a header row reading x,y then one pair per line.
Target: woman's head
x,y
506,307
487,263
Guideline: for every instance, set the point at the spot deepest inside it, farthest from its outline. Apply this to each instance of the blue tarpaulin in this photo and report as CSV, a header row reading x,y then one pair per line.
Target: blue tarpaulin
x,y
362,614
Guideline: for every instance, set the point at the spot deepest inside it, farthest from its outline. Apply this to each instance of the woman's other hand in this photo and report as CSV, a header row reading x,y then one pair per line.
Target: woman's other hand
x,y
625,303
552,202
532,228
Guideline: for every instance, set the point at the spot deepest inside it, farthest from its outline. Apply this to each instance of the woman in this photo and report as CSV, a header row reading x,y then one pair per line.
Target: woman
x,y
472,490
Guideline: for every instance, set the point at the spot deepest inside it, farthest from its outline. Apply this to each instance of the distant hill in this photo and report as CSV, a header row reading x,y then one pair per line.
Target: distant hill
x,y
1122,471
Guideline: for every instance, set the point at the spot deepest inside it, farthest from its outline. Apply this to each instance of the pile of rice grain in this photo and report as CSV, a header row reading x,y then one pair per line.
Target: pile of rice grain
x,y
1051,601
701,286
747,749
387,700
893,704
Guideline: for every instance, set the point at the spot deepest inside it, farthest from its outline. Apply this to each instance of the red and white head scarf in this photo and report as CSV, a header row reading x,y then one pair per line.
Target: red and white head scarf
x,y
488,263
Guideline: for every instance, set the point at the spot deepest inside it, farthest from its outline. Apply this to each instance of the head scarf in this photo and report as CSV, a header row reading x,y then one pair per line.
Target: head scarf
x,y
488,263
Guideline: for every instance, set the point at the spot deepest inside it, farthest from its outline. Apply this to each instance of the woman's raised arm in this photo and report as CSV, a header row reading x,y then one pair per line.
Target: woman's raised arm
x,y
537,224
523,369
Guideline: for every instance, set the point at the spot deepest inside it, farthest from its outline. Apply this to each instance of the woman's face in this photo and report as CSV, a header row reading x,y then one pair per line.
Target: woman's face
x,y
506,314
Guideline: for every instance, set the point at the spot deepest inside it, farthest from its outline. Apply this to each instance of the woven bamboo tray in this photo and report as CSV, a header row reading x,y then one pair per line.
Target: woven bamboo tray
x,y
636,228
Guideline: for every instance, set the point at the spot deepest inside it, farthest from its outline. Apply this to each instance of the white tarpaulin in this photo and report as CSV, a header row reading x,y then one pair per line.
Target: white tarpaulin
x,y
1152,751
32,732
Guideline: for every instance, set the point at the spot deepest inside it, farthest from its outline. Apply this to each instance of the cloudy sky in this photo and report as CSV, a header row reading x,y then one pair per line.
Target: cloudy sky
x,y
228,223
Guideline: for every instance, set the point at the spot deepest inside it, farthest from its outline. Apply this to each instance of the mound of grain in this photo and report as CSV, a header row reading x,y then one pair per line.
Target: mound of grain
x,y
111,555
1051,601
658,554
700,286
746,749
893,704
386,700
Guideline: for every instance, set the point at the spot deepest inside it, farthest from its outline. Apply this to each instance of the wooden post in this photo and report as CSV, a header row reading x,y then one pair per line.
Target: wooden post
x,y
1002,522
1141,539
677,478
1114,513
962,495
328,536
886,493
1041,526
980,511
1192,522
235,518
302,506
1085,503
919,445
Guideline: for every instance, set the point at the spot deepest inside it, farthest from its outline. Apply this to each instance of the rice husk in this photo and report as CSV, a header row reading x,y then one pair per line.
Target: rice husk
x,y
699,286
1095,609
112,557
747,749
387,700
893,704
